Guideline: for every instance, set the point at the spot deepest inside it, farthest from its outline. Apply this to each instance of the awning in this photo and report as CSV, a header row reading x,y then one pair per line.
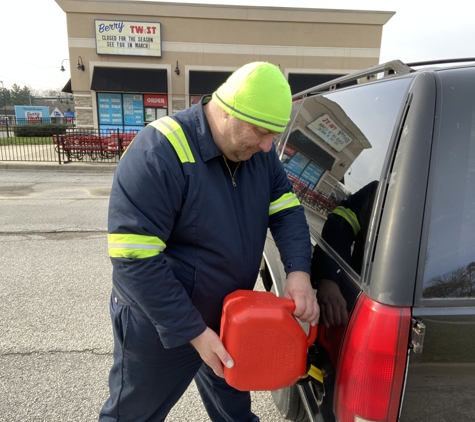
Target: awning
x,y
206,82
67,87
129,80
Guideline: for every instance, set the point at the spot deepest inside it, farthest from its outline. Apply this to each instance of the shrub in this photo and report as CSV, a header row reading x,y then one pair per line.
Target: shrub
x,y
39,130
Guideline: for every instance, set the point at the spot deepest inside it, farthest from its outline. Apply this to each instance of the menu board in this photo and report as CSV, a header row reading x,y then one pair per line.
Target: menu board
x,y
297,163
133,109
312,174
300,166
110,109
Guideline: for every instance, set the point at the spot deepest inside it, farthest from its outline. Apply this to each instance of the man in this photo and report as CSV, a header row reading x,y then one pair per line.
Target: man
x,y
190,205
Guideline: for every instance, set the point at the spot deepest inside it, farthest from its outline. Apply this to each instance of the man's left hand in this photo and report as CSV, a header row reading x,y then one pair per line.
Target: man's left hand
x,y
299,289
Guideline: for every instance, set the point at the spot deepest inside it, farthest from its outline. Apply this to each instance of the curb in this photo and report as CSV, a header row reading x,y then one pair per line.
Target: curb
x,y
81,167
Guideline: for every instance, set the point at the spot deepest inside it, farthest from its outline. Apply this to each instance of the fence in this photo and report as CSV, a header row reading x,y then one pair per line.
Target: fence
x,y
62,145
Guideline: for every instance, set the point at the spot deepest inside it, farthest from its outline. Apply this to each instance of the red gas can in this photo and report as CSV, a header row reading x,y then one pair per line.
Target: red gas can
x,y
267,344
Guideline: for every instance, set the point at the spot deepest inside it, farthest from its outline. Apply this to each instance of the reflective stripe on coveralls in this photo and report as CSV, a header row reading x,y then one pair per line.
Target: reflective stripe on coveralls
x,y
350,217
134,245
287,200
142,246
174,133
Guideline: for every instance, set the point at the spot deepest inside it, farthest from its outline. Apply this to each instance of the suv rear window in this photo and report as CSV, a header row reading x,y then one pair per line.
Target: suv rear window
x,y
450,257
337,146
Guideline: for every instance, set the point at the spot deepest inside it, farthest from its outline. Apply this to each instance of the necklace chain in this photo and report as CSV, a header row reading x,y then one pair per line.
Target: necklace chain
x,y
231,173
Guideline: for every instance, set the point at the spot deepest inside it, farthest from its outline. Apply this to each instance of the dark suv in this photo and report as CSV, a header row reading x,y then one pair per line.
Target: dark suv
x,y
384,162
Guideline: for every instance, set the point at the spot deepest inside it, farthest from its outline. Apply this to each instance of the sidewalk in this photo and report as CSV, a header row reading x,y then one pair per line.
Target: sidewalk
x,y
44,157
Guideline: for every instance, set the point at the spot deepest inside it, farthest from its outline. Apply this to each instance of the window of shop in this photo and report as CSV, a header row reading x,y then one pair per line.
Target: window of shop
x,y
129,98
156,106
202,83
302,81
129,112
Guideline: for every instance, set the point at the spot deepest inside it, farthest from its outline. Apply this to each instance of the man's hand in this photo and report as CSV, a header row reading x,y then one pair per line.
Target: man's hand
x,y
332,303
212,351
299,289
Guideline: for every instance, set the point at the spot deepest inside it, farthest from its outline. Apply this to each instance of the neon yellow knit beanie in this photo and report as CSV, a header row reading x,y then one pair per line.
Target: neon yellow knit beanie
x,y
257,93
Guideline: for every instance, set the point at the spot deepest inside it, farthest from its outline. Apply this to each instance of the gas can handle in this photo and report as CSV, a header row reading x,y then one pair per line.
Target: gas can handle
x,y
289,304
312,335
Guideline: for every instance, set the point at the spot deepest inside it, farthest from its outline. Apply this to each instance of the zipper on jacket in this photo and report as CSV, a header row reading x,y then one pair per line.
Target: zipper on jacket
x,y
231,173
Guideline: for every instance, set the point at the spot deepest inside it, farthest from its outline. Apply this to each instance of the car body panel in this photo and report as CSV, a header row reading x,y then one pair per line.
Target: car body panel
x,y
398,237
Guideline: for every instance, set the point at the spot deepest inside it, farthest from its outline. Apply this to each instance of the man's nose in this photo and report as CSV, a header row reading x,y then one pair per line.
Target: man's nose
x,y
266,142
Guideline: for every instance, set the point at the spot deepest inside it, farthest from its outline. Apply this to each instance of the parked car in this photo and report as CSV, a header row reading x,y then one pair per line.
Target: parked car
x,y
407,349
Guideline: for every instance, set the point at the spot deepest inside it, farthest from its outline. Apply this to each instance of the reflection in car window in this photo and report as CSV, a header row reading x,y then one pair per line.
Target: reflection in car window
x,y
338,143
450,259
334,153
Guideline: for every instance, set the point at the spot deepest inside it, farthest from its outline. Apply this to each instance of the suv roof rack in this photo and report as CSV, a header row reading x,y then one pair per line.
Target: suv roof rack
x,y
443,61
389,68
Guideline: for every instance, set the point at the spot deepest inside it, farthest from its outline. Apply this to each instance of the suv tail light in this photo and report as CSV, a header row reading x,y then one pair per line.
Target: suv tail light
x,y
372,363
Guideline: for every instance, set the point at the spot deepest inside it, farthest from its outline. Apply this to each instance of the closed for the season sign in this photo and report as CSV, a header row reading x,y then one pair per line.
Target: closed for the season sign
x,y
128,38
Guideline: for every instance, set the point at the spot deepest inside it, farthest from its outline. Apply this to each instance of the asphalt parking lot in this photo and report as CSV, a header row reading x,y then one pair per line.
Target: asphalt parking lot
x,y
55,280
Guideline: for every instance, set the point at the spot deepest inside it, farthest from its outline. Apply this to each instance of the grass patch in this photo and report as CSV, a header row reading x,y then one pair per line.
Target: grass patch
x,y
32,140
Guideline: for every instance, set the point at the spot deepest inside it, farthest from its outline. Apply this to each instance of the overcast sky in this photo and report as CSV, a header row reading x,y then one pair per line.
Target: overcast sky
x,y
34,36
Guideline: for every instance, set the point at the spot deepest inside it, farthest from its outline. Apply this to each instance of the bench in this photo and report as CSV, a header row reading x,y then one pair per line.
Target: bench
x,y
112,144
317,200
77,145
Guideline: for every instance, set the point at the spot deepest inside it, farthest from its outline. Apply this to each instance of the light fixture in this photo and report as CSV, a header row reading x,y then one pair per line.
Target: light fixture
x,y
62,67
80,64
177,71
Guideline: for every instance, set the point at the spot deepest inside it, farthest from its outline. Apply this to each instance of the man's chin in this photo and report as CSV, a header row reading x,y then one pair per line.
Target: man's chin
x,y
245,155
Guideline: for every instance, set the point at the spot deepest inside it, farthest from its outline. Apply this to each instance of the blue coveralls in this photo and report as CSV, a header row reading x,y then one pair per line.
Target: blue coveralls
x,y
182,237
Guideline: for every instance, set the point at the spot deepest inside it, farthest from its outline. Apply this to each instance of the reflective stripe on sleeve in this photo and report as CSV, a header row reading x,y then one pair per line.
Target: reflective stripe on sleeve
x,y
175,135
349,216
134,245
287,200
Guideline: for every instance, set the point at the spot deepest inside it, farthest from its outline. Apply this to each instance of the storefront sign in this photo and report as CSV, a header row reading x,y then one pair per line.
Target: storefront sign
x,y
156,100
289,150
330,132
128,38
56,113
32,114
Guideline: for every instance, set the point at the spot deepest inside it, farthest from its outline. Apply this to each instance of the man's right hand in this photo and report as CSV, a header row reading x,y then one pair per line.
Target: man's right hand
x,y
332,303
212,351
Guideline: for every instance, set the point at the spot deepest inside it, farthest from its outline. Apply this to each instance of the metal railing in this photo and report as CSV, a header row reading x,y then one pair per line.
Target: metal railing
x,y
62,144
